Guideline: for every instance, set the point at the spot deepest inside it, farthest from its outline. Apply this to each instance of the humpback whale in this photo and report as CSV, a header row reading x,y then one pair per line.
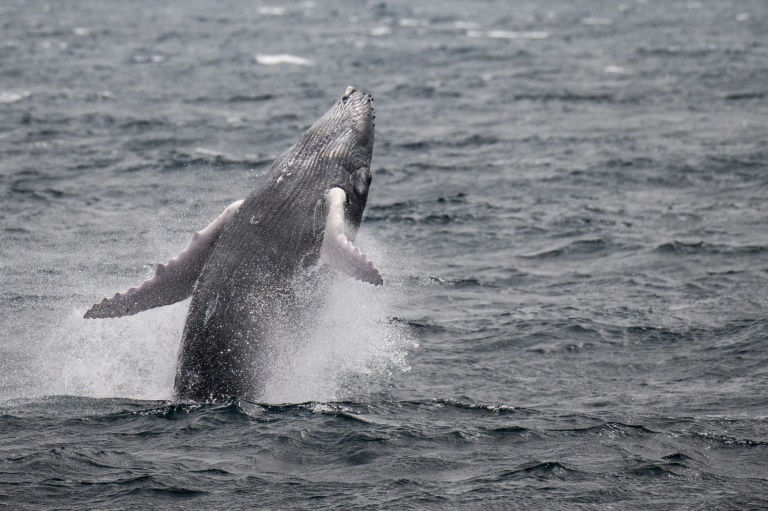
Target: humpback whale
x,y
241,270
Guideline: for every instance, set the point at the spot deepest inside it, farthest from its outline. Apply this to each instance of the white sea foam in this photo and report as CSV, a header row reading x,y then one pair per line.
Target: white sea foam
x,y
271,10
282,58
411,22
208,152
617,70
507,34
381,31
144,59
13,97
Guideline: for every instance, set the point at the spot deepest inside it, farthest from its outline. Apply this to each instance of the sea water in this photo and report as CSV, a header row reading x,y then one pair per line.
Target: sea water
x,y
568,208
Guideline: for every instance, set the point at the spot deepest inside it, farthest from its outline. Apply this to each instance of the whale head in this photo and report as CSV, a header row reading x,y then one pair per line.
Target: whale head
x,y
356,114
343,137
336,151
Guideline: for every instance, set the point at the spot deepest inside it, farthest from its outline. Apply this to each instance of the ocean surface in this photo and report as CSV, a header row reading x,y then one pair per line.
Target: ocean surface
x,y
569,209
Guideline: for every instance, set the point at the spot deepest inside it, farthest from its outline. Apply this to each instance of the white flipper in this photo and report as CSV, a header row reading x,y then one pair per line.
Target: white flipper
x,y
173,281
337,251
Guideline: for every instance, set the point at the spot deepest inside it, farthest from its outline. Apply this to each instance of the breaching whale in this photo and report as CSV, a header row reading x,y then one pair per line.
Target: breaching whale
x,y
241,269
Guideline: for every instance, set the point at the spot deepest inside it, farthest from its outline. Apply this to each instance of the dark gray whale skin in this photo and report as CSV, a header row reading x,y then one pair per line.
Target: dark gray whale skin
x,y
246,285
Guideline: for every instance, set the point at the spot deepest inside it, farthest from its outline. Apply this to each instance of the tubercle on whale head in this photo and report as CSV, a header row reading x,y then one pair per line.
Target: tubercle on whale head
x,y
347,130
358,106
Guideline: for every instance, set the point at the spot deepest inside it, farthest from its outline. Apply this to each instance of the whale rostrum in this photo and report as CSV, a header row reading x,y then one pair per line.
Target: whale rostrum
x,y
241,268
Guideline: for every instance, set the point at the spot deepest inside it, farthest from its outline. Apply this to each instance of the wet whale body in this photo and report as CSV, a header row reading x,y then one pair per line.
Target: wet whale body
x,y
241,270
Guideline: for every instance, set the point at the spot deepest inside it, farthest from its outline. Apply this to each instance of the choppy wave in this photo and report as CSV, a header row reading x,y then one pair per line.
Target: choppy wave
x,y
116,454
568,208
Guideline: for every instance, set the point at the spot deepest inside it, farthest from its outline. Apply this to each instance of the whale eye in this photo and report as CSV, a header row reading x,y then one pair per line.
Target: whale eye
x,y
361,181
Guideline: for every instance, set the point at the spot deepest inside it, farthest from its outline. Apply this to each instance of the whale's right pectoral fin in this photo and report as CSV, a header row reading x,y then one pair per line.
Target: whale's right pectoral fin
x,y
337,250
173,281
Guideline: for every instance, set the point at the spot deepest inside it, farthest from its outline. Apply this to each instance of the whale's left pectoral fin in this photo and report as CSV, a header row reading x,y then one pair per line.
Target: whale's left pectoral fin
x,y
337,251
173,281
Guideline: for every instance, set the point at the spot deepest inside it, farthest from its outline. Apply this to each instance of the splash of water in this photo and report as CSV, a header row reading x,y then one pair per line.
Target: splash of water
x,y
342,348
347,344
132,357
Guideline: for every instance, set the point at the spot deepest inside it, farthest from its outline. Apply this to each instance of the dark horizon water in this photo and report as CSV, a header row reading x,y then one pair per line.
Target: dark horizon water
x,y
568,208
